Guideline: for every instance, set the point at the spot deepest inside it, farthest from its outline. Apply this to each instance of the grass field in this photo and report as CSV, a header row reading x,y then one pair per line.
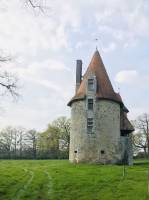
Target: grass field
x,y
60,180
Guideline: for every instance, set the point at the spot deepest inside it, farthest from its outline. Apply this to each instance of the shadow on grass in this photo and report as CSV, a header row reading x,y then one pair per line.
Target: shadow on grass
x,y
141,162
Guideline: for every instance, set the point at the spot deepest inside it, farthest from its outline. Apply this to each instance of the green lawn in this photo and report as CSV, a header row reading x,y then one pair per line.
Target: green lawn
x,y
60,180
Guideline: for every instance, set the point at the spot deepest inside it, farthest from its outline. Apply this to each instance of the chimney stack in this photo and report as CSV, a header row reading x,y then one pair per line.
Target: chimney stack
x,y
78,74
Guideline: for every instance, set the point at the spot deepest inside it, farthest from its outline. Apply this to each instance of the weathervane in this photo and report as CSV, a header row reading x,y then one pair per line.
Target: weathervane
x,y
96,40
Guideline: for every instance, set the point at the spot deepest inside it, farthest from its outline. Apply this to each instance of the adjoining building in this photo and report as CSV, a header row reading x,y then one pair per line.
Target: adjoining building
x,y
100,130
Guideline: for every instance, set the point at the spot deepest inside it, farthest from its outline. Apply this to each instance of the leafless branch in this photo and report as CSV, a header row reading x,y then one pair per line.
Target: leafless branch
x,y
36,4
5,59
8,83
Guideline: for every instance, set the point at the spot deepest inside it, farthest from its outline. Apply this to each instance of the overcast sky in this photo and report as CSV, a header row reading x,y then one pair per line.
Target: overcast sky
x,y
45,46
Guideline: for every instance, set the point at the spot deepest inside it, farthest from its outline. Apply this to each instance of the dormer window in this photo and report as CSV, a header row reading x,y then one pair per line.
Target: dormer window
x,y
90,84
90,104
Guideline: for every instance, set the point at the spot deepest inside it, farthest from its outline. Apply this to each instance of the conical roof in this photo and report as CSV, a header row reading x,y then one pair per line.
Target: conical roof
x,y
104,86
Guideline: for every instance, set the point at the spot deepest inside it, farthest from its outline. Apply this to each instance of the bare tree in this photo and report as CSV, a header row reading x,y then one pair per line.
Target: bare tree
x,y
8,81
63,124
21,132
139,143
17,142
6,141
141,137
15,139
32,141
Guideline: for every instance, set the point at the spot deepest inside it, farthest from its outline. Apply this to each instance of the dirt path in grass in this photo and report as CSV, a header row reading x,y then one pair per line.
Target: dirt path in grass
x,y
25,186
49,184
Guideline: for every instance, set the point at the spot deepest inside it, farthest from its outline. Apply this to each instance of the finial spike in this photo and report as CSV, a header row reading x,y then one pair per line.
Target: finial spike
x,y
96,40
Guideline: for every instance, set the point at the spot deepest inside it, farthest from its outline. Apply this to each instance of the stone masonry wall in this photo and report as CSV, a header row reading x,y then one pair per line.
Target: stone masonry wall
x,y
126,145
108,131
103,145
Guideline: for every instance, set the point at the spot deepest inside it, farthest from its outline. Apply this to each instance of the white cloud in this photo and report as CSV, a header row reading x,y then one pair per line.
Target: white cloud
x,y
127,76
125,21
23,32
132,77
111,47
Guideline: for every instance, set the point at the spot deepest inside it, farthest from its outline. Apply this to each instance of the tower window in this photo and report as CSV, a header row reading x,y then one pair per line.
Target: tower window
x,y
90,84
90,104
102,151
90,125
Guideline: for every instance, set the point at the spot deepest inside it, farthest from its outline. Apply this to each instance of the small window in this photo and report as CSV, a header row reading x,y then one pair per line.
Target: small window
x,y
102,151
90,125
90,84
75,151
90,104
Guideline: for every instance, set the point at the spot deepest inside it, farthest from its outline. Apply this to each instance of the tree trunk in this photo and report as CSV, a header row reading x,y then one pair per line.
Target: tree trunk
x,y
145,153
147,147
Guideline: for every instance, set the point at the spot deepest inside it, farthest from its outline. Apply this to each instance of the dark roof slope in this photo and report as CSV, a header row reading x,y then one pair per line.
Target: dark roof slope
x,y
125,124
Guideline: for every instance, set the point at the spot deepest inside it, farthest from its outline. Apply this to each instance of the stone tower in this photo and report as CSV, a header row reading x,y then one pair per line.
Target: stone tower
x,y
100,130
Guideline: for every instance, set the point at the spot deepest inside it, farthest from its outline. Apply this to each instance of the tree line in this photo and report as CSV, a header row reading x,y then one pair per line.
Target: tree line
x,y
53,143
20,143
